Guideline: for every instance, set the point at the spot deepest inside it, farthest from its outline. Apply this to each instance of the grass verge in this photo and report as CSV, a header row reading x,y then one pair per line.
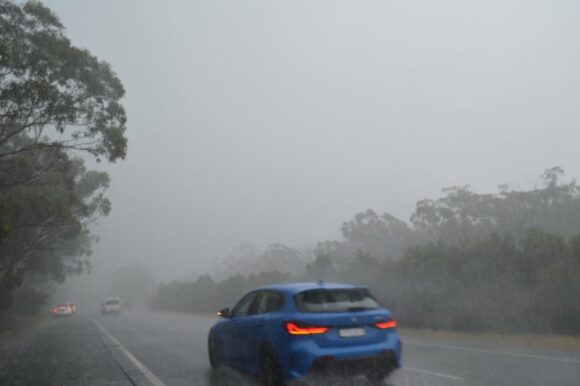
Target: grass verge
x,y
552,342
11,323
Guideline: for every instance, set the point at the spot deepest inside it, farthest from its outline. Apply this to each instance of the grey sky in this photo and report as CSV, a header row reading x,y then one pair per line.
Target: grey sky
x,y
265,121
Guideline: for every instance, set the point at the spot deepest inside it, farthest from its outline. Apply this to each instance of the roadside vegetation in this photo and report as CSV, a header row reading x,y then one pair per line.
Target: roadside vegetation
x,y
58,104
507,262
497,340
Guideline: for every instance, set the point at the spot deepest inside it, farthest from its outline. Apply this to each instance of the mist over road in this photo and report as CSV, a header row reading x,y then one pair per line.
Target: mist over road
x,y
145,348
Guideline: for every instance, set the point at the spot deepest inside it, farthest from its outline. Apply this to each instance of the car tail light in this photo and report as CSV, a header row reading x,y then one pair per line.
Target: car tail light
x,y
391,323
297,328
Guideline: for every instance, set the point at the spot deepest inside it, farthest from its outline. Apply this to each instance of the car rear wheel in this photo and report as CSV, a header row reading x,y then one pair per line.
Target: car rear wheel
x,y
213,352
270,371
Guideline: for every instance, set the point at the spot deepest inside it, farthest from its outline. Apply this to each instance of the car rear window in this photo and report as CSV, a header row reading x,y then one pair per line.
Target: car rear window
x,y
112,302
336,300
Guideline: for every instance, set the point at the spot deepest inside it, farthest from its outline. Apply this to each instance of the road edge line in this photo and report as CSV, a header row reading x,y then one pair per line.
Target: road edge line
x,y
434,373
148,374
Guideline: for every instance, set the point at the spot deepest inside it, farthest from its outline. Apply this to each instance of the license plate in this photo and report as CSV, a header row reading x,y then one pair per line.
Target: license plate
x,y
351,332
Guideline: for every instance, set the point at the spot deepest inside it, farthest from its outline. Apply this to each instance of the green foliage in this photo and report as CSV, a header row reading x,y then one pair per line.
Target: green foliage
x,y
50,209
205,295
495,283
507,262
320,268
50,87
56,101
463,215
369,235
381,236
245,259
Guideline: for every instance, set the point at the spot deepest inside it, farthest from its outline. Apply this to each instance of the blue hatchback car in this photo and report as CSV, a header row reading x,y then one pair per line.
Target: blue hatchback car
x,y
284,332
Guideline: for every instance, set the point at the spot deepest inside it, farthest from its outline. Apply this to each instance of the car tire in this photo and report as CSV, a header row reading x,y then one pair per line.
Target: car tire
x,y
213,352
270,371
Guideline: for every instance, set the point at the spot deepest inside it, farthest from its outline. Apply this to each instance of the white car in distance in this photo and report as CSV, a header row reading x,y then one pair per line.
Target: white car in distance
x,y
111,306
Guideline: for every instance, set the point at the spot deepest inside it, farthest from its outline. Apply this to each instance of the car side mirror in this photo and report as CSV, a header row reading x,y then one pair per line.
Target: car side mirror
x,y
224,313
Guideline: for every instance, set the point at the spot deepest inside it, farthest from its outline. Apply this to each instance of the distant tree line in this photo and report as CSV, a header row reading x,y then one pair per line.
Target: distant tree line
x,y
206,295
58,103
507,262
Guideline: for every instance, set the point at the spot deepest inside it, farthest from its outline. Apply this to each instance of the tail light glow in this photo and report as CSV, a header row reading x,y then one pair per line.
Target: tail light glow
x,y
297,328
391,323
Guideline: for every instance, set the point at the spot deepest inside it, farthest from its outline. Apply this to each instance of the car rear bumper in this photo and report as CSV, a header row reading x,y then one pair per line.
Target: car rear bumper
x,y
308,358
110,311
354,366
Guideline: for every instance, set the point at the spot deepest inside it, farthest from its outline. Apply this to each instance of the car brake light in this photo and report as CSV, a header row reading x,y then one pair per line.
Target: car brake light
x,y
391,323
297,328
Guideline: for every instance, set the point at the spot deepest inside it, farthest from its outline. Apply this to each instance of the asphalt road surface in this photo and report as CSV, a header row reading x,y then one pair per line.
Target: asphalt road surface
x,y
170,349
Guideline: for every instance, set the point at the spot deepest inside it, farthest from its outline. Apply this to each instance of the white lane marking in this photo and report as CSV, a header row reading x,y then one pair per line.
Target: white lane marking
x,y
140,366
434,373
485,351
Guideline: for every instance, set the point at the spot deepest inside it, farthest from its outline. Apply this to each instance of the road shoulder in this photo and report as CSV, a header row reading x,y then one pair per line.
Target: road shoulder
x,y
63,351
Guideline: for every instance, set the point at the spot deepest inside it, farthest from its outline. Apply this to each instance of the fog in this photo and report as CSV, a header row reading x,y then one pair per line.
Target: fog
x,y
268,121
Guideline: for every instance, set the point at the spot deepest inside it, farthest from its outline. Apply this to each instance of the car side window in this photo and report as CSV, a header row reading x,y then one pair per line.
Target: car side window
x,y
243,306
268,301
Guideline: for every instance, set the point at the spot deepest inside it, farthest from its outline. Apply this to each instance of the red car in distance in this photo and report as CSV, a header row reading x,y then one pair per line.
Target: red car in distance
x,y
61,310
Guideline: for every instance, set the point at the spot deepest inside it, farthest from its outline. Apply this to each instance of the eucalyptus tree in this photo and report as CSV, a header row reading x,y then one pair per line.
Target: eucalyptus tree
x,y
57,102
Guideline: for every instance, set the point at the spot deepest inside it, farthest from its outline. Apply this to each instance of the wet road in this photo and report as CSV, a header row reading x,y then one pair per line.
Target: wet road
x,y
170,349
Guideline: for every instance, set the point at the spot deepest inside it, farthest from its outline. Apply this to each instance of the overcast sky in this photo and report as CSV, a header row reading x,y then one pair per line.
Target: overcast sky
x,y
275,121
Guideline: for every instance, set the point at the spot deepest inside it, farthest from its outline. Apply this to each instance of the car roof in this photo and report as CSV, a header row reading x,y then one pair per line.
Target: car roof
x,y
294,288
